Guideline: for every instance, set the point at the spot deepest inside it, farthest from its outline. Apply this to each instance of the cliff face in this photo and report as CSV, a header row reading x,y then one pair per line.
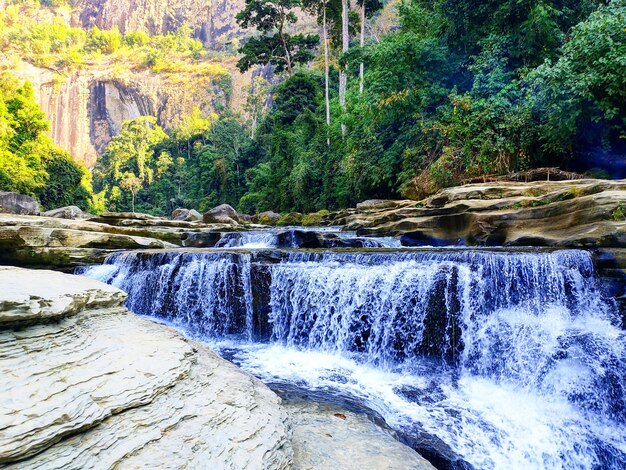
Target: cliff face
x,y
87,108
212,21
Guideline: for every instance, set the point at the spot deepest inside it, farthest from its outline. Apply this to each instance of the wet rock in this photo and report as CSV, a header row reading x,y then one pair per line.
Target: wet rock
x,y
16,203
67,212
188,215
201,239
222,214
333,241
298,239
419,238
103,388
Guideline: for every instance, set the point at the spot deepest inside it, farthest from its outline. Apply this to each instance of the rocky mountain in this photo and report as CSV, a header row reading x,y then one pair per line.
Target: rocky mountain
x,y
87,107
213,22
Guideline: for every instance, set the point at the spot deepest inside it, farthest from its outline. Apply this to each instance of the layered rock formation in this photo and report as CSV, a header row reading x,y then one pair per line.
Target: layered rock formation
x,y
90,384
582,213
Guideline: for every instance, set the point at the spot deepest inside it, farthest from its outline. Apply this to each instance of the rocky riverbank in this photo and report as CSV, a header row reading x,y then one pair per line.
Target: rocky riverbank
x,y
89,384
566,214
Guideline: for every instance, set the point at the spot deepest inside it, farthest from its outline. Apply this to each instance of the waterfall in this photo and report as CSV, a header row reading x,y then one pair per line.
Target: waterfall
x,y
532,324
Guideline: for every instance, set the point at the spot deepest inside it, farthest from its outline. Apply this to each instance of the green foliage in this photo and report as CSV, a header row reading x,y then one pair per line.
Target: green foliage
x,y
44,37
30,163
619,213
200,165
275,46
104,41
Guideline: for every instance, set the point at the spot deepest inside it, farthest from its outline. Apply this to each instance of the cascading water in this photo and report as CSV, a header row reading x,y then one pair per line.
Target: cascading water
x,y
513,359
288,237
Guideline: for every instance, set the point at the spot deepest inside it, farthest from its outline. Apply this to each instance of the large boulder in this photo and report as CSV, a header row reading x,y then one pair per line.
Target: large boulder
x,y
188,215
67,212
293,218
222,214
266,218
100,387
16,203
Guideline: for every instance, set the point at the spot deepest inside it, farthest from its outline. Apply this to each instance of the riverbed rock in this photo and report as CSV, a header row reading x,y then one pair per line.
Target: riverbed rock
x,y
266,218
330,437
293,218
65,243
16,203
222,214
62,243
67,212
582,213
100,387
188,215
376,204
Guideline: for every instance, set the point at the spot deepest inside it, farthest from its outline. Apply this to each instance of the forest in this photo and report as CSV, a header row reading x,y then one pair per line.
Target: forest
x,y
454,89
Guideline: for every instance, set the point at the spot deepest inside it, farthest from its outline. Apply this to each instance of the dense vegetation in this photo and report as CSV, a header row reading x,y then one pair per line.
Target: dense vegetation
x,y
30,163
457,90
454,90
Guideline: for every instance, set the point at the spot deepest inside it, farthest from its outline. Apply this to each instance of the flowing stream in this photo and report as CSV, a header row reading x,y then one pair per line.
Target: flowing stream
x,y
505,359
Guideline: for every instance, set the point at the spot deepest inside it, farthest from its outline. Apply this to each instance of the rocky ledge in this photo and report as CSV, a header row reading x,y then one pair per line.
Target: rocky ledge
x,y
87,384
101,385
61,243
582,213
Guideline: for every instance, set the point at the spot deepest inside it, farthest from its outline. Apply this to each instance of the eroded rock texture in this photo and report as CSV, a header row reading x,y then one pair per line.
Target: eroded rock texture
x,y
87,384
582,213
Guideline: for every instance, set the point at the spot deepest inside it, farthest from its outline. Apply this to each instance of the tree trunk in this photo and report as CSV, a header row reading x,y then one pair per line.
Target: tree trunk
x,y
343,78
362,43
325,35
281,34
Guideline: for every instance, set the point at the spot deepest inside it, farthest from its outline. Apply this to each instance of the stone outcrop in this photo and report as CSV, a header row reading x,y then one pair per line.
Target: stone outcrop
x,y
16,203
266,218
65,243
222,214
188,215
96,386
581,213
67,212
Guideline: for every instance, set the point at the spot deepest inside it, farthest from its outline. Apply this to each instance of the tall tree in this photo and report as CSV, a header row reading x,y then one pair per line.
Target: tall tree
x,y
326,66
367,7
326,18
280,49
345,44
